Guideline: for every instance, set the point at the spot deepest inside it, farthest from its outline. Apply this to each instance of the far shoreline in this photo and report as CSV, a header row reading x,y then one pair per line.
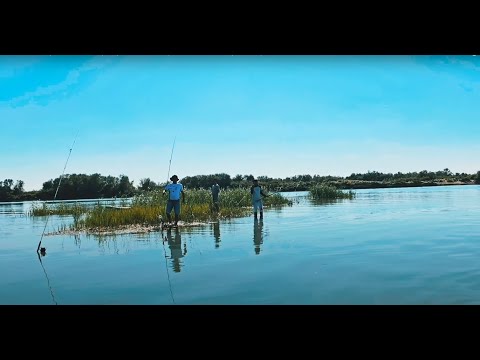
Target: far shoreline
x,y
342,185
359,184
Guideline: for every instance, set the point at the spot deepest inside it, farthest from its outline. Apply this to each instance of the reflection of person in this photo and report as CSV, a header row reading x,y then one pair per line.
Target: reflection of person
x,y
175,191
175,246
257,235
257,193
215,194
216,234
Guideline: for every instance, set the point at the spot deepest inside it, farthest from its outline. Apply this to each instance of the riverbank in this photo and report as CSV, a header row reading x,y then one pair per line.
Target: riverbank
x,y
361,184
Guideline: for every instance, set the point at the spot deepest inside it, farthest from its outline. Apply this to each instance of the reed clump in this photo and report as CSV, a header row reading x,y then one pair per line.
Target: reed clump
x,y
149,208
329,192
46,209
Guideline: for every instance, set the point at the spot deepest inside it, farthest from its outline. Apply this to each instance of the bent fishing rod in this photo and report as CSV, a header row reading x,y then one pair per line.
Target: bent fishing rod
x,y
56,192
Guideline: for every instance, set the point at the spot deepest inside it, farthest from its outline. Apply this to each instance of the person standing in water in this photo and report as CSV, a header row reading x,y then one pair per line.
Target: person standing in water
x,y
257,192
215,194
175,191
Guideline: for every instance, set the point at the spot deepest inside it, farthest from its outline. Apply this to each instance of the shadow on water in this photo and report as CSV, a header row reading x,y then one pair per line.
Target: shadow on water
x,y
257,235
216,234
174,241
323,202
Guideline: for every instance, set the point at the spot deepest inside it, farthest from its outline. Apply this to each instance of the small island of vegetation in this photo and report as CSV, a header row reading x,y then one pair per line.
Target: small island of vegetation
x,y
146,203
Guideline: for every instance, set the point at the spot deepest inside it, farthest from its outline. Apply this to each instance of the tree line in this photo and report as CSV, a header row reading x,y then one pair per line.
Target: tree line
x,y
96,186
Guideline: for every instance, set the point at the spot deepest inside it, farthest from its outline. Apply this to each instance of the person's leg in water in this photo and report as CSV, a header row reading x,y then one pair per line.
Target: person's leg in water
x,y
177,212
215,201
169,210
261,209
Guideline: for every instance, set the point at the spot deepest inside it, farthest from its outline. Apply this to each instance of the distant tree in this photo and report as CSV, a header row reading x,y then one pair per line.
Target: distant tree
x,y
6,189
125,187
94,185
224,180
7,183
191,182
147,184
18,188
477,178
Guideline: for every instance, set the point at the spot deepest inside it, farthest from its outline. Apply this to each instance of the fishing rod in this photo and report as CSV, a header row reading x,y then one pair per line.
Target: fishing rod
x,y
56,192
243,197
171,155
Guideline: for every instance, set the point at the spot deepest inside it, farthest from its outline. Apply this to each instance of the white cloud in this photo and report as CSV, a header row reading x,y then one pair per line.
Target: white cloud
x,y
71,78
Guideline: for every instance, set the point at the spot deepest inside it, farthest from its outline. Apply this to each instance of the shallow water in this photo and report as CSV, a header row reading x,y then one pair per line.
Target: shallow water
x,y
386,246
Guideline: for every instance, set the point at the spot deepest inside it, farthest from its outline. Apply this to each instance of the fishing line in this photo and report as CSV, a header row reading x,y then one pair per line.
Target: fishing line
x,y
243,197
170,164
48,280
166,266
194,246
56,192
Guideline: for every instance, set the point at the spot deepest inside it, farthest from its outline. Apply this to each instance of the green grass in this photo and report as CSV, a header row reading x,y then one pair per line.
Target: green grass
x,y
329,192
146,208
57,209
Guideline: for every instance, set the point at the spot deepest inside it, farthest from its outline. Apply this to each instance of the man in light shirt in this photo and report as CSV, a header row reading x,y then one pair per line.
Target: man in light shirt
x,y
175,191
257,192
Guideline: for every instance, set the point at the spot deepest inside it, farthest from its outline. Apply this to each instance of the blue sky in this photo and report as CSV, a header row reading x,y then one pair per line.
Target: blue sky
x,y
277,116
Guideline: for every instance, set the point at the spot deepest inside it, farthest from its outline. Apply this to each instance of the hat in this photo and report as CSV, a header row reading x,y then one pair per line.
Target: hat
x,y
174,177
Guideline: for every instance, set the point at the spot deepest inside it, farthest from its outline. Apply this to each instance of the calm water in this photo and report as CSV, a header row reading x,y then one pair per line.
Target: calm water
x,y
387,246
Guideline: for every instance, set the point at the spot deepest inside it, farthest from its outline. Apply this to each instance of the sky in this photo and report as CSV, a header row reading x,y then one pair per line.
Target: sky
x,y
277,116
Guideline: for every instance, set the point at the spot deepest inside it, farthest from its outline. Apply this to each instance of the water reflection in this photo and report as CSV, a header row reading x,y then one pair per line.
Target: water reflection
x,y
46,275
174,241
12,209
257,235
327,201
216,234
